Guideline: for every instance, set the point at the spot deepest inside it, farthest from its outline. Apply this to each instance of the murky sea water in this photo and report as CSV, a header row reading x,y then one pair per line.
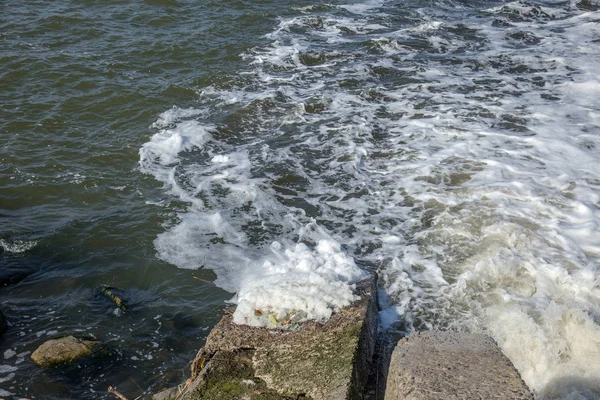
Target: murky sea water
x,y
192,154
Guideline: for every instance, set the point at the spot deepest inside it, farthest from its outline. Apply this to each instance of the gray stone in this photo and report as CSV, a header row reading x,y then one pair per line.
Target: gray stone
x,y
449,365
319,361
64,349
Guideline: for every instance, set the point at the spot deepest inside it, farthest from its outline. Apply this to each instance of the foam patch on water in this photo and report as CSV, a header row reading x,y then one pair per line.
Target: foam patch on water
x,y
9,370
163,150
454,150
17,246
291,283
9,353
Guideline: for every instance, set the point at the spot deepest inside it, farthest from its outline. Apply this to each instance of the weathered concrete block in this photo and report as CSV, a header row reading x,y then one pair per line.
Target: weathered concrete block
x,y
319,361
449,365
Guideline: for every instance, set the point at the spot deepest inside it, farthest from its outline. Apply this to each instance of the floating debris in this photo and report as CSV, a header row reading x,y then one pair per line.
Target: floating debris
x,y
111,293
292,320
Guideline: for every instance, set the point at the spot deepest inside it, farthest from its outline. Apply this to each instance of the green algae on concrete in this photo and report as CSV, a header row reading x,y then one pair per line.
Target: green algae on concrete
x,y
324,359
230,377
318,361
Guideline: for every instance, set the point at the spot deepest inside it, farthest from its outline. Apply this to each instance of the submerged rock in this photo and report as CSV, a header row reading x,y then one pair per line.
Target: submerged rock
x,y
588,5
115,295
319,361
3,324
451,365
64,349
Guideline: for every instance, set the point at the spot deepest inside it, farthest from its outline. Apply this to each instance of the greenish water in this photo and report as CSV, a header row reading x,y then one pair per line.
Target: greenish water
x,y
80,85
162,147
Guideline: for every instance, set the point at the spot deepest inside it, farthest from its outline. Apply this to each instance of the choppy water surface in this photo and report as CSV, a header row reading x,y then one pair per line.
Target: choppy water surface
x,y
161,146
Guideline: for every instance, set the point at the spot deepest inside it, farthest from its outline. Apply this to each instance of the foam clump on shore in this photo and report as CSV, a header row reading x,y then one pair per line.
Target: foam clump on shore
x,y
298,284
276,286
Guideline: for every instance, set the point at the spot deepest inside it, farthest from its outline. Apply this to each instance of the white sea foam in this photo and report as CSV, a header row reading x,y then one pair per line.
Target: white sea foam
x,y
165,146
298,281
459,157
9,353
175,115
17,246
220,159
7,368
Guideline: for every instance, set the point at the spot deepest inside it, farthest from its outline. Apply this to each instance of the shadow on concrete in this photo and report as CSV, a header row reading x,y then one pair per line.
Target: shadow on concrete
x,y
391,330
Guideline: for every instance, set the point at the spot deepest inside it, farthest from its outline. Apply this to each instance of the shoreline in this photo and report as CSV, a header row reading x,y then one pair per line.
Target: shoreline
x,y
339,360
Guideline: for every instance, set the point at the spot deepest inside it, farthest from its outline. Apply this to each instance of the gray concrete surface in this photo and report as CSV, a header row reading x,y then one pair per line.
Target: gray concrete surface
x,y
450,365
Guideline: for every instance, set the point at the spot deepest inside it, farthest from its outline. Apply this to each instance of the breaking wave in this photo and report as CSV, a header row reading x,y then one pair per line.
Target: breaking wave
x,y
453,149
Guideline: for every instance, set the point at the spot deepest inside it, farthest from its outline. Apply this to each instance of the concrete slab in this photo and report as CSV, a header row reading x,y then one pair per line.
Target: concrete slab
x,y
319,361
450,365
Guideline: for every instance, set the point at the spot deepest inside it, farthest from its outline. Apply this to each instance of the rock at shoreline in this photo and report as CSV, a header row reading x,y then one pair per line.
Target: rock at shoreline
x,y
450,365
168,394
319,361
64,349
3,324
